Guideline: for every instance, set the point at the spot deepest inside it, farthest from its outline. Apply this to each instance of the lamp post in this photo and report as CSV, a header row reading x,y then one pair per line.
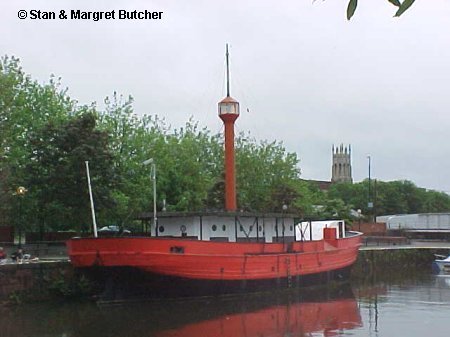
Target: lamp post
x,y
359,220
284,209
369,202
153,177
20,191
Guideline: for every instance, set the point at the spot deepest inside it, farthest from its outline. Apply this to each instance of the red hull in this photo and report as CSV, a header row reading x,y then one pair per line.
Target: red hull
x,y
222,261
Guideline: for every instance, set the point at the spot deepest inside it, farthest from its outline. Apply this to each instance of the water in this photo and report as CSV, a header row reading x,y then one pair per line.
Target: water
x,y
414,306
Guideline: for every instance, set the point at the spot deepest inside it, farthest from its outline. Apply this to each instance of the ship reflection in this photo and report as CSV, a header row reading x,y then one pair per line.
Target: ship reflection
x,y
288,313
325,317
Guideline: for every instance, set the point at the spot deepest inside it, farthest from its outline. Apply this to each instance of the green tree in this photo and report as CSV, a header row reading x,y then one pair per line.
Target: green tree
x,y
187,160
394,197
436,202
265,175
130,140
57,172
191,165
25,107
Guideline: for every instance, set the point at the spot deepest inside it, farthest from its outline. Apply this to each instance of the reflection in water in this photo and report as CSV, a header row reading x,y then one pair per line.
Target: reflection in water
x,y
279,314
411,307
295,319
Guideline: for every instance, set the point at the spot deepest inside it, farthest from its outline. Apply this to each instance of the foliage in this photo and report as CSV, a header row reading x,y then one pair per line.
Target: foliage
x,y
25,107
395,197
401,7
57,172
186,159
69,285
265,173
190,164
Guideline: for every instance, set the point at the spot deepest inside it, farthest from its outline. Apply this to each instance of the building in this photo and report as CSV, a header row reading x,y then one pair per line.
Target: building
x,y
418,222
341,169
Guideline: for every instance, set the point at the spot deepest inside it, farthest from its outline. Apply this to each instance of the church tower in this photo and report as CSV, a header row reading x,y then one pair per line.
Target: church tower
x,y
341,170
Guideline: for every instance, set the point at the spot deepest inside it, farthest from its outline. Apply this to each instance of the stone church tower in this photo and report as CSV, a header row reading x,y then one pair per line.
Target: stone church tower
x,y
341,171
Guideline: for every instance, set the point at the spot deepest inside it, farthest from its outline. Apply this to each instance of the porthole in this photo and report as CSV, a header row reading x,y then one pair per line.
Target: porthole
x,y
161,229
183,229
224,228
214,228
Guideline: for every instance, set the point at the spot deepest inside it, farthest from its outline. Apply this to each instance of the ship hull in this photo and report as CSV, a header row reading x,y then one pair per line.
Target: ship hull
x,y
119,283
163,267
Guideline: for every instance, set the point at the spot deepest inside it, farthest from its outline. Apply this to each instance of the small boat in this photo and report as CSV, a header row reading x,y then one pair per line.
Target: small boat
x,y
441,265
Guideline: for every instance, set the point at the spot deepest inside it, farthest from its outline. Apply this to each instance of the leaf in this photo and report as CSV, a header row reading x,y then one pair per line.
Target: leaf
x,y
404,6
351,8
395,2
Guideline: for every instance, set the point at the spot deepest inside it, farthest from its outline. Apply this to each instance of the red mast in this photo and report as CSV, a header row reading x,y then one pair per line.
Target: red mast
x,y
229,112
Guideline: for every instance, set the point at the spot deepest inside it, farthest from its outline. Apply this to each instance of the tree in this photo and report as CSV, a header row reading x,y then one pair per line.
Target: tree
x,y
130,140
57,174
190,165
394,197
187,160
265,175
25,107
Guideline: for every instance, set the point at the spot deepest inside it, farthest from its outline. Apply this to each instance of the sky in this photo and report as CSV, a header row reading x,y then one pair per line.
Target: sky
x,y
302,73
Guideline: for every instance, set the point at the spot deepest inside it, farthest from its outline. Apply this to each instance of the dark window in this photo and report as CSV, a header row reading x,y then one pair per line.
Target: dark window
x,y
241,228
214,228
260,228
224,228
177,250
161,229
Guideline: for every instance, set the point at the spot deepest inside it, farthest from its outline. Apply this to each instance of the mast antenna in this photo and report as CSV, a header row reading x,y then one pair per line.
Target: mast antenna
x,y
228,74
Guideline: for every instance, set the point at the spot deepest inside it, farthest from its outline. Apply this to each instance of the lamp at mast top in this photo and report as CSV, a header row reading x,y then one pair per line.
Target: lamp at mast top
x,y
228,106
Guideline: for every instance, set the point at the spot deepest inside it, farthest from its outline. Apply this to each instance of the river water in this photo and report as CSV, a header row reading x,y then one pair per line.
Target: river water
x,y
411,306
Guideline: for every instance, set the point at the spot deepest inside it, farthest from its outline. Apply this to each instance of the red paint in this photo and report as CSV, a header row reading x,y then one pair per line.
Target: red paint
x,y
206,260
329,233
230,177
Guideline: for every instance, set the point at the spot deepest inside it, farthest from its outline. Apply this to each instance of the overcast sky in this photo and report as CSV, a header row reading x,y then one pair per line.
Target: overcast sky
x,y
307,76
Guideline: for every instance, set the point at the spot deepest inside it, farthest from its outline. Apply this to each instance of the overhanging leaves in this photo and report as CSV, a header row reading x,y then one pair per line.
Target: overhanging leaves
x,y
351,8
403,7
395,2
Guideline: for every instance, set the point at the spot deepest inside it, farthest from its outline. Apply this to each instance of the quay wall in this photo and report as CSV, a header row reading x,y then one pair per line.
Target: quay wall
x,y
390,264
38,281
35,281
